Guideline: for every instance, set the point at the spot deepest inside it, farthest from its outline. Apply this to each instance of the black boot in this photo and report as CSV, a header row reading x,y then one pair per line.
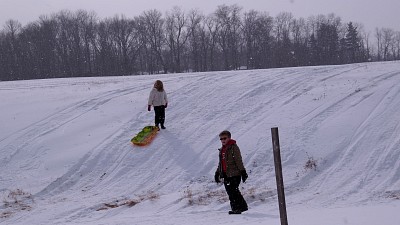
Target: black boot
x,y
235,212
162,126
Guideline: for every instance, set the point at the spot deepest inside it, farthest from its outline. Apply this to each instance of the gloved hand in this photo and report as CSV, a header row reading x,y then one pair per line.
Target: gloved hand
x,y
216,177
166,105
149,108
244,176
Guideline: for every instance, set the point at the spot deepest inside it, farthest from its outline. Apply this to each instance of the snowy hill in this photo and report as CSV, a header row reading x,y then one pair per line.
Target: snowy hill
x,y
65,155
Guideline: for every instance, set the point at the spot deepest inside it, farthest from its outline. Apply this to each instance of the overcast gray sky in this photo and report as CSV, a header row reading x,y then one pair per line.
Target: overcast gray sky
x,y
371,13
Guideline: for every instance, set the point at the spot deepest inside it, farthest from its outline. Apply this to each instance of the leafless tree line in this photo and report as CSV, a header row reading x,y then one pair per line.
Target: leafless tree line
x,y
71,44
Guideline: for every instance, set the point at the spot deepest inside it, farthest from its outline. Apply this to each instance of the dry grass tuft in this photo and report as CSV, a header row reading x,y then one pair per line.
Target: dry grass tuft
x,y
311,163
15,201
152,196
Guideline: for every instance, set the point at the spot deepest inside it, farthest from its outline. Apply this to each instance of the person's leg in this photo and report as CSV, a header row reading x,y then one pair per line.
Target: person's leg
x,y
162,116
232,188
157,111
235,197
241,203
229,191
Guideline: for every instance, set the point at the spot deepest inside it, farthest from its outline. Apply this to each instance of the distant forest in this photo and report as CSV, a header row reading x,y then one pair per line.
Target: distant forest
x,y
74,44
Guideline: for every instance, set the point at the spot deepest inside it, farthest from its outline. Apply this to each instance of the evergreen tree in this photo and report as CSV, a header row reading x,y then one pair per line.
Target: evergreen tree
x,y
328,44
352,44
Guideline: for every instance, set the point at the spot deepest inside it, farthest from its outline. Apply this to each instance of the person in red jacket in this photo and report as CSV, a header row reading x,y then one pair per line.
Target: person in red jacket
x,y
231,170
158,99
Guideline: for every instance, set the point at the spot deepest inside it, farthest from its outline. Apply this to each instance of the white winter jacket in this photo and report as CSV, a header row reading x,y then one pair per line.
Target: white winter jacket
x,y
157,98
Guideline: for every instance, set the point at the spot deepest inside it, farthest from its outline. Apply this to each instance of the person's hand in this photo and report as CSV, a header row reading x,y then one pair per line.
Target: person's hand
x,y
149,108
244,176
216,177
166,105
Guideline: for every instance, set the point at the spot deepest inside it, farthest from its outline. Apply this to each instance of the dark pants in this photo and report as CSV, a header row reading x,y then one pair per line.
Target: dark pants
x,y
235,197
160,114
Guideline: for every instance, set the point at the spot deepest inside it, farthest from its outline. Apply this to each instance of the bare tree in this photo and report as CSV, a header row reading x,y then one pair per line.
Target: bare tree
x,y
213,29
122,31
144,51
299,35
69,43
257,28
387,42
283,48
283,22
397,44
177,32
197,33
155,34
12,29
265,41
379,39
228,18
87,25
249,30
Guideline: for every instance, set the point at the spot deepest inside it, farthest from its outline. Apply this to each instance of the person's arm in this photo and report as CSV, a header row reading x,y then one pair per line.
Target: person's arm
x,y
218,171
239,162
166,99
151,97
150,101
219,165
238,157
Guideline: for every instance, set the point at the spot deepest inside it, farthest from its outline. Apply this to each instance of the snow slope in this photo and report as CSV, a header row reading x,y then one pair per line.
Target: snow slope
x,y
66,142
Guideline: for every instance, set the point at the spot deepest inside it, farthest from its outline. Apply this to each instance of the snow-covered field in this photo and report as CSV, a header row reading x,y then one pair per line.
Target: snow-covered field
x,y
66,158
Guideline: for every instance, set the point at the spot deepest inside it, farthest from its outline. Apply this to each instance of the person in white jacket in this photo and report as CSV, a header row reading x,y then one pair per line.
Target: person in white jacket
x,y
158,99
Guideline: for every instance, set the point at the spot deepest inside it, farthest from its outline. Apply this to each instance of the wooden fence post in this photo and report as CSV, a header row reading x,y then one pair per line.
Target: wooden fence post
x,y
279,176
